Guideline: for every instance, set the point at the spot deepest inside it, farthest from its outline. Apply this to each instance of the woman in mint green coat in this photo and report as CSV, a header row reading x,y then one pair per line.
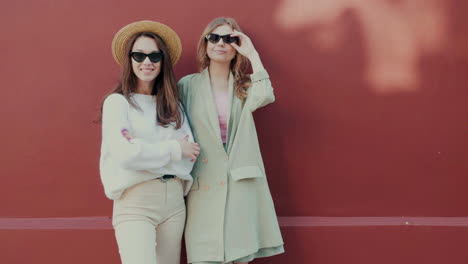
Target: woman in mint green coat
x,y
230,212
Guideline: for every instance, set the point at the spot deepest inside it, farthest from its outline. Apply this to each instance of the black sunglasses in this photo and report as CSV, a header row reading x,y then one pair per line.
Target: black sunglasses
x,y
140,56
214,38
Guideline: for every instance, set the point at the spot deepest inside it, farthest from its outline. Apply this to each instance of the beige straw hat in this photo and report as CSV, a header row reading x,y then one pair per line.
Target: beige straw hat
x,y
122,38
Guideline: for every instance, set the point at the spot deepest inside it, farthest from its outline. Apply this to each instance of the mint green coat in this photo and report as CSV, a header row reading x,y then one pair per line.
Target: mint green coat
x,y
230,212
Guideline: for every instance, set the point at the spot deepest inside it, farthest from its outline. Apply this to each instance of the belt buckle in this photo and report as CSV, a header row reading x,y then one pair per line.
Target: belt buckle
x,y
164,179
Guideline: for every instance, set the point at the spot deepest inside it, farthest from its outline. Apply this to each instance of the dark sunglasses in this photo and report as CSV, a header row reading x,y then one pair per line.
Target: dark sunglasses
x,y
214,38
140,56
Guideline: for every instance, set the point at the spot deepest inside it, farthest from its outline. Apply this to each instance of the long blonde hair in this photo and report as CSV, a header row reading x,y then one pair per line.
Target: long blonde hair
x,y
239,65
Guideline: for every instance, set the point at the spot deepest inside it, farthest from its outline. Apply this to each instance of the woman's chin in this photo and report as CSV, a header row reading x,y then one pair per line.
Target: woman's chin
x,y
146,78
220,59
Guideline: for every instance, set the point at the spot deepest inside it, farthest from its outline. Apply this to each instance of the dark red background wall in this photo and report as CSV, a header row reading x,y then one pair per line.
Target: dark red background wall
x,y
365,148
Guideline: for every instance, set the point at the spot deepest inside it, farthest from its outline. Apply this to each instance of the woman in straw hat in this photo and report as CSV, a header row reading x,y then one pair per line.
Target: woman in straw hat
x,y
147,148
230,212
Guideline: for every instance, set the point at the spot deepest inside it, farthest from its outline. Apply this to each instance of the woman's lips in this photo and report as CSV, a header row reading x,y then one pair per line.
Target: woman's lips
x,y
147,71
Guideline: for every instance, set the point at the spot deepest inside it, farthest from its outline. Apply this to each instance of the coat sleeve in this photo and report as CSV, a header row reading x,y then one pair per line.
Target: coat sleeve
x,y
132,153
261,92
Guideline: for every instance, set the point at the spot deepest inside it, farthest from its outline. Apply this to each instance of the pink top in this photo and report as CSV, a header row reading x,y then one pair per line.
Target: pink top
x,y
221,100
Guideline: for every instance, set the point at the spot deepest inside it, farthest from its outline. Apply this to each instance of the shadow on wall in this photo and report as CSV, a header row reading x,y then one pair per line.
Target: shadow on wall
x,y
396,34
370,102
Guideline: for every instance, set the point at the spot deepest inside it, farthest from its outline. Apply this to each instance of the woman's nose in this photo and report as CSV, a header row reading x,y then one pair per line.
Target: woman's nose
x,y
147,60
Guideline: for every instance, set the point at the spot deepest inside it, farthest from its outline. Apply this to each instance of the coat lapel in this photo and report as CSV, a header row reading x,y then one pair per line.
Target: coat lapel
x,y
209,105
230,107
211,111
235,110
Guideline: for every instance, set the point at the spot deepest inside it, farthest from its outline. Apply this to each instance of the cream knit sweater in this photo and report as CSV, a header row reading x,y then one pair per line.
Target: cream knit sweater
x,y
135,149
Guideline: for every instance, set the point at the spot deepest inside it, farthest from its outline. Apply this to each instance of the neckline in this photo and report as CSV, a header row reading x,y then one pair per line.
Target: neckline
x,y
143,97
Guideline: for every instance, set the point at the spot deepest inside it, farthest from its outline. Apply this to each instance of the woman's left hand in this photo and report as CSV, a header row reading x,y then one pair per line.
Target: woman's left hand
x,y
245,47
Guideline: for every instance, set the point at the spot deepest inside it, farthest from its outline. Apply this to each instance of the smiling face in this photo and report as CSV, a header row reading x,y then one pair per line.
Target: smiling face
x,y
146,71
221,52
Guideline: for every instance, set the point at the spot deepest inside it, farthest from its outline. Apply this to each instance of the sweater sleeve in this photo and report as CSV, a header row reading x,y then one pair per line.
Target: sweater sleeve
x,y
181,167
261,92
132,153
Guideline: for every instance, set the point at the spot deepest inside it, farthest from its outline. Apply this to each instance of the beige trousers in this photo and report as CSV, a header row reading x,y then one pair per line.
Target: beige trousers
x,y
149,222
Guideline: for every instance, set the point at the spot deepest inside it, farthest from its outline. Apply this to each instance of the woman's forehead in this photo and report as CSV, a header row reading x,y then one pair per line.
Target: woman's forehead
x,y
223,30
145,43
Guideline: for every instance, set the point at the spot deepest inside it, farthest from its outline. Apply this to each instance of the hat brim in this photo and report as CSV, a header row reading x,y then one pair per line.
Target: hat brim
x,y
124,35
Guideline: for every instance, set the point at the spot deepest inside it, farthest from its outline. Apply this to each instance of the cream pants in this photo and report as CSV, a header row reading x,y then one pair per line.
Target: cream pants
x,y
149,222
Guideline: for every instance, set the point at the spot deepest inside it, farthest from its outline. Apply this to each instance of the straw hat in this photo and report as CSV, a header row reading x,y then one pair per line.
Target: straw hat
x,y
122,38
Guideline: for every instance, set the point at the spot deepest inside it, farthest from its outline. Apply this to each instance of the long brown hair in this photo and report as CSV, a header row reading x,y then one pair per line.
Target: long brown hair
x,y
239,65
164,89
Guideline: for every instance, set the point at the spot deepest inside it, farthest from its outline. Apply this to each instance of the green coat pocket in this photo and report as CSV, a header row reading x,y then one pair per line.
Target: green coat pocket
x,y
246,173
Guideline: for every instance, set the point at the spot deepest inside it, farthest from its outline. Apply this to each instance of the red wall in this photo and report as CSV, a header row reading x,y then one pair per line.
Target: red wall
x,y
370,120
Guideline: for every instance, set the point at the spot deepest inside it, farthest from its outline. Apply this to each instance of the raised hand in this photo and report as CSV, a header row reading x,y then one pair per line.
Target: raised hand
x,y
247,49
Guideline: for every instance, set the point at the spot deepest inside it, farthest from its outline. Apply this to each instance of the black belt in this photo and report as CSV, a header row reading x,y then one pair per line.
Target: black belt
x,y
167,177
